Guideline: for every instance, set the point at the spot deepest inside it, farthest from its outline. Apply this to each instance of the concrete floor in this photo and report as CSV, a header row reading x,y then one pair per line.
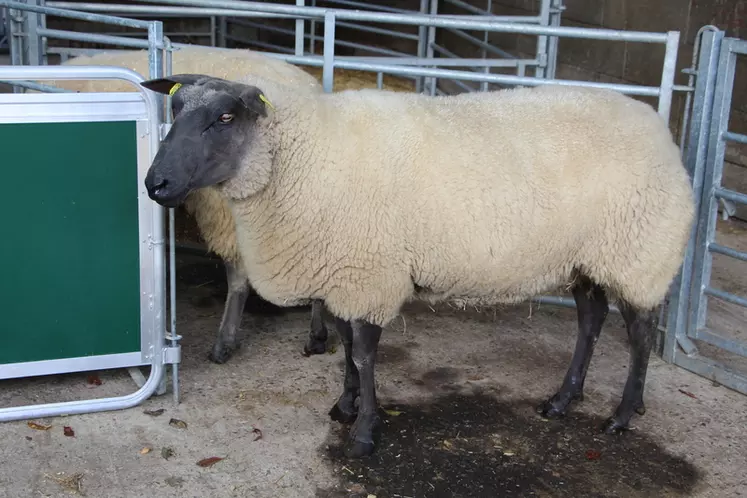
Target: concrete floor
x,y
464,382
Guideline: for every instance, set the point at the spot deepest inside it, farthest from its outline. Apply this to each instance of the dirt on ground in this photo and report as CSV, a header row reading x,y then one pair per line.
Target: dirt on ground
x,y
457,389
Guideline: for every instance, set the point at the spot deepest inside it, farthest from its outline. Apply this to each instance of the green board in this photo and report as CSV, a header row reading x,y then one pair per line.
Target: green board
x,y
69,253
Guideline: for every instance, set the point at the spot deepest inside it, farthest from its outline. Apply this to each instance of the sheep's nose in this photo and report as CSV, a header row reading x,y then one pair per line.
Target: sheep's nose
x,y
155,185
159,185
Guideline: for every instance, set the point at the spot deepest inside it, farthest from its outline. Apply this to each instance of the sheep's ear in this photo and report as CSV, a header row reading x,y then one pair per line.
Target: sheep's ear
x,y
254,100
170,84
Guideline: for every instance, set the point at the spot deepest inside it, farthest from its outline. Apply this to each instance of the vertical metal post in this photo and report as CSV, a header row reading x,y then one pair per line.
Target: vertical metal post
x,y
694,158
32,51
708,212
556,11
540,70
15,41
328,70
300,25
485,86
431,82
155,70
155,58
312,32
422,33
667,75
43,40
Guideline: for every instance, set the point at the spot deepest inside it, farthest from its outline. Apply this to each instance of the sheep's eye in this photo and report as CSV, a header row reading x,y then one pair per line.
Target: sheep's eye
x,y
226,118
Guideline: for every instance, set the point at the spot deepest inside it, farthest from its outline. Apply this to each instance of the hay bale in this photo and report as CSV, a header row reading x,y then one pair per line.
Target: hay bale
x,y
349,79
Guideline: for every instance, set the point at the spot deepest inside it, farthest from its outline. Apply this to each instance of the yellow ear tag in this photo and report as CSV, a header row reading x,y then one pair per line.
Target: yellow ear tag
x,y
267,102
174,89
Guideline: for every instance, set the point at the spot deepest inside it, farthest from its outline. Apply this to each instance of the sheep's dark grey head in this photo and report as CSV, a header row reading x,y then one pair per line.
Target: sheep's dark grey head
x,y
214,122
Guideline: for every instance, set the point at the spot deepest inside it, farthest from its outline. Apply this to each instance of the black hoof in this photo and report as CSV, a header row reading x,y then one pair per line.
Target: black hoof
x,y
314,346
612,426
358,449
344,417
555,408
641,410
548,410
221,354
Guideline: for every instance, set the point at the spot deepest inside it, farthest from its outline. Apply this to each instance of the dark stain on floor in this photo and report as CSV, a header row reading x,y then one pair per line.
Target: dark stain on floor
x,y
475,446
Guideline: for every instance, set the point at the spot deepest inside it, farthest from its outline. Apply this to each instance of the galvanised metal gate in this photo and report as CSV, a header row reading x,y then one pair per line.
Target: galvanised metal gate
x,y
692,342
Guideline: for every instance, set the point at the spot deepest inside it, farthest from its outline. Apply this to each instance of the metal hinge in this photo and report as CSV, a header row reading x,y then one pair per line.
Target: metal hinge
x,y
172,355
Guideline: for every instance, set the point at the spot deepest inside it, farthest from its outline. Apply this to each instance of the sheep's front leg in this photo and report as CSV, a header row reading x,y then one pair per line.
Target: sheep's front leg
x,y
592,309
238,292
317,343
365,344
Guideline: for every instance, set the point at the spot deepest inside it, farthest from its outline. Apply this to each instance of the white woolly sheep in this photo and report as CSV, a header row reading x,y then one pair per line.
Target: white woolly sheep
x,y
209,210
367,199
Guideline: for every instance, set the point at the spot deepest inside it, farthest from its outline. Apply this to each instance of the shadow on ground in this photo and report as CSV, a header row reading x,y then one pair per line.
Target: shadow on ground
x,y
474,446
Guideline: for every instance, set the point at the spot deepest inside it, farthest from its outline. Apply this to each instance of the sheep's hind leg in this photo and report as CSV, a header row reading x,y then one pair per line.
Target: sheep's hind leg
x,y
592,309
641,325
317,343
238,291
365,344
344,411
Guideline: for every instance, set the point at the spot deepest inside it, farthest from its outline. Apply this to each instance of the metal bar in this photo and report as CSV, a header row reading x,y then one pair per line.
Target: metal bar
x,y
380,31
90,37
735,137
541,70
163,10
556,10
203,34
86,405
421,50
725,193
73,14
36,86
300,36
727,251
481,44
312,32
713,370
368,6
328,69
431,83
462,22
494,78
691,72
667,74
341,43
721,342
33,47
725,296
485,86
441,61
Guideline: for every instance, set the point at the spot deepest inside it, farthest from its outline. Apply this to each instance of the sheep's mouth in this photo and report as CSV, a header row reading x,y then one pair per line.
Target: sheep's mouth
x,y
167,199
